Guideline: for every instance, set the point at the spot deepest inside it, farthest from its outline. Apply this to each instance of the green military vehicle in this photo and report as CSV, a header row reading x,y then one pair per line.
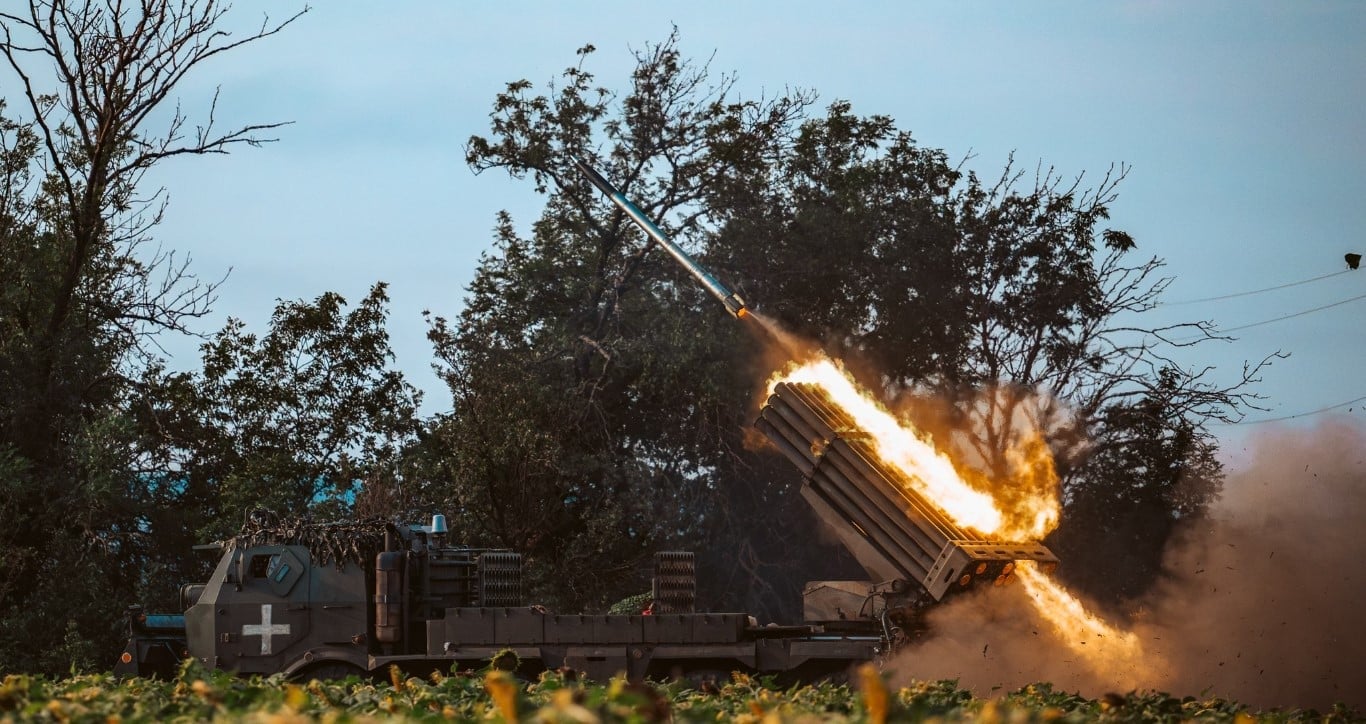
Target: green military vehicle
x,y
329,600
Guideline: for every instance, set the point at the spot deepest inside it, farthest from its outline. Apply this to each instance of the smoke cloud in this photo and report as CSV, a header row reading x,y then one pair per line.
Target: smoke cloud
x,y
1261,603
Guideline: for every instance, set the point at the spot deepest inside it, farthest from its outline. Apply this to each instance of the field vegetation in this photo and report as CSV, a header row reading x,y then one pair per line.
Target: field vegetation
x,y
496,695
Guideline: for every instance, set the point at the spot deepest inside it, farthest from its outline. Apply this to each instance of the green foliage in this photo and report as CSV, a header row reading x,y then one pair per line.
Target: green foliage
x,y
1129,496
69,503
83,296
198,695
293,421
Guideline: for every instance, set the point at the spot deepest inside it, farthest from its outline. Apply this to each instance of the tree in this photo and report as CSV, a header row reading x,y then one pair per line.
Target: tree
x,y
299,421
1151,470
1060,344
85,297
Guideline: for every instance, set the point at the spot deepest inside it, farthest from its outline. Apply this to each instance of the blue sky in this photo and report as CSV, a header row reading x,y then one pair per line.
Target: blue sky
x,y
1244,124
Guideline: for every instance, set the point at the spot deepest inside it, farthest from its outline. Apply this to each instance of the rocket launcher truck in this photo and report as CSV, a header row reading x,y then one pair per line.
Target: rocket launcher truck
x,y
327,600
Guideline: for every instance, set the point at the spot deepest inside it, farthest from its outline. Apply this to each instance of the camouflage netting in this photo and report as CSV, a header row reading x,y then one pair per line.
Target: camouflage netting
x,y
631,605
335,542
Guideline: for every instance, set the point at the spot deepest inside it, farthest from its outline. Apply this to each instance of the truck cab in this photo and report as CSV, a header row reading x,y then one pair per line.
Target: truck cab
x,y
269,608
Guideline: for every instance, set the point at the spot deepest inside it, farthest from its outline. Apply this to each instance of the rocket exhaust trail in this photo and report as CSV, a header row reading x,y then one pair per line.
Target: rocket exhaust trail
x,y
732,301
788,343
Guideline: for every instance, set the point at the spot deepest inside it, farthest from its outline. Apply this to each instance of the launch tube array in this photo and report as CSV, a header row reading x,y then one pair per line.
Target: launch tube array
x,y
894,532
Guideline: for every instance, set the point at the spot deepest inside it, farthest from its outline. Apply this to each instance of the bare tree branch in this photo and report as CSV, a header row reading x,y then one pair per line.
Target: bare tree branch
x,y
112,66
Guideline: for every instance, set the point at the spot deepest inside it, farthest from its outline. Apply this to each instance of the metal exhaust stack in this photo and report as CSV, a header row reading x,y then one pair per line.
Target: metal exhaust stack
x,y
894,532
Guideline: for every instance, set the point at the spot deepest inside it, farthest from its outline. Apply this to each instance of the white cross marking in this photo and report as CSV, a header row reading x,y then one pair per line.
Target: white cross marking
x,y
265,630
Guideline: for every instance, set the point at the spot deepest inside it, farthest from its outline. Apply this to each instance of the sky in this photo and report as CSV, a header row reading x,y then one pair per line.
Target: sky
x,y
1243,124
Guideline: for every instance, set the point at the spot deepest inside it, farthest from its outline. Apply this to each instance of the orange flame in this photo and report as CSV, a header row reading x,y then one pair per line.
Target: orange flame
x,y
932,473
1106,649
929,471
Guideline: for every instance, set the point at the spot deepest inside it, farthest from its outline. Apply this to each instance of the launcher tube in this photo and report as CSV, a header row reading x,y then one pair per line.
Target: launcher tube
x,y
734,304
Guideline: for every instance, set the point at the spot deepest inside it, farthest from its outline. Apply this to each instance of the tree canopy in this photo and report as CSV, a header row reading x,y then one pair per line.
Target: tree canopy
x,y
85,296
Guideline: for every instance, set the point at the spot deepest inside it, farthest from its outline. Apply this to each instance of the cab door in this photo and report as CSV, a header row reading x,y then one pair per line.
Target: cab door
x,y
269,616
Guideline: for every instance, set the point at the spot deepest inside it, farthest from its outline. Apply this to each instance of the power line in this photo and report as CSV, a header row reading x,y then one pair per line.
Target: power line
x,y
1296,314
1255,291
1291,417
1216,332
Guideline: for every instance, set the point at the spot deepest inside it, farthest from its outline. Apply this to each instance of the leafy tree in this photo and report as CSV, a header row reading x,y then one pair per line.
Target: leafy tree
x,y
1151,470
977,306
296,421
84,297
1061,345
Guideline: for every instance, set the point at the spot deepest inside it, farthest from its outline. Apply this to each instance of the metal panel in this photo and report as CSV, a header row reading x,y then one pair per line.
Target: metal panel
x,y
469,626
836,600
718,627
518,626
568,629
500,578
666,628
674,586
617,629
436,637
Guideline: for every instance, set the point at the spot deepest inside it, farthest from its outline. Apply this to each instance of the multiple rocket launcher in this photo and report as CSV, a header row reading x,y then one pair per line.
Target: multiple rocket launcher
x,y
275,604
896,534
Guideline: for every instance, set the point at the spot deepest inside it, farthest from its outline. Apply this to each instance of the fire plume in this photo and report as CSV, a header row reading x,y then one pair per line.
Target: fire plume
x,y
930,470
1104,647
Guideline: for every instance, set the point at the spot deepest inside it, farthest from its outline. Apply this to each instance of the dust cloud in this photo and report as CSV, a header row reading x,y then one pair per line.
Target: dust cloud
x,y
1261,602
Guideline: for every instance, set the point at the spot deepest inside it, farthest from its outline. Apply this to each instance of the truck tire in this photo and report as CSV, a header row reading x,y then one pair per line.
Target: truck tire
x,y
330,671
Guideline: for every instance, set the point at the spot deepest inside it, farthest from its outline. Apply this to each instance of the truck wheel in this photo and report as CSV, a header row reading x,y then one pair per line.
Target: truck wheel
x,y
708,681
330,671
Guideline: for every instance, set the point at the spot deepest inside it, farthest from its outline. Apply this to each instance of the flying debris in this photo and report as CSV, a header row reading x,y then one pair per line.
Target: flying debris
x,y
1353,260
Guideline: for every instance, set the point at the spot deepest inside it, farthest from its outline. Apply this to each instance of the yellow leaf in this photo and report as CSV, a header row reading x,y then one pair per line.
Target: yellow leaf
x,y
202,689
874,693
501,688
295,697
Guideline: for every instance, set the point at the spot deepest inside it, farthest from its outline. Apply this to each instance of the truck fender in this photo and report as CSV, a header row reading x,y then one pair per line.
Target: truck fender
x,y
327,655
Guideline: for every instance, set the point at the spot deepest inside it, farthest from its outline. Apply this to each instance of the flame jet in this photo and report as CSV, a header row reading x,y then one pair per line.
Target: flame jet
x,y
734,304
